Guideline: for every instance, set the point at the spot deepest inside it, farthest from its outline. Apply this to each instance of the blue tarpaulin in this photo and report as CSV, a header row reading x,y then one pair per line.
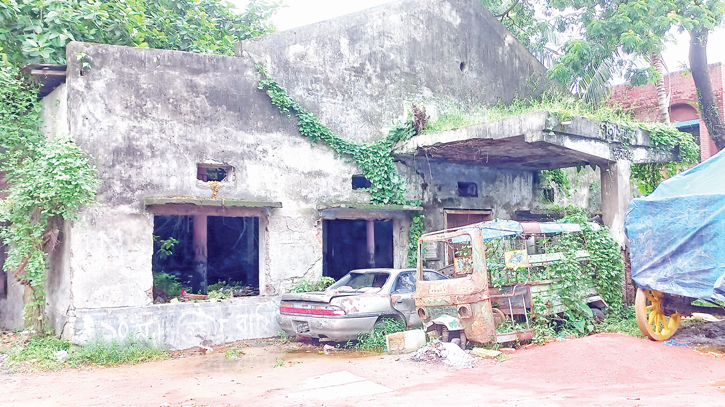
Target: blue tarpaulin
x,y
677,233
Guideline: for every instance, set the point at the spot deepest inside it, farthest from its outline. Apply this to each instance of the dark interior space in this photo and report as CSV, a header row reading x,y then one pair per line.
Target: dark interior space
x,y
345,245
232,259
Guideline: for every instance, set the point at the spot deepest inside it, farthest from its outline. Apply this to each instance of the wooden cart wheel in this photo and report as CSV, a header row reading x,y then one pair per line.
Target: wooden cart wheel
x,y
651,318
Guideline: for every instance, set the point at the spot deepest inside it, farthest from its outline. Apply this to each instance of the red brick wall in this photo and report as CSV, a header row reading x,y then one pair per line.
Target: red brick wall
x,y
642,100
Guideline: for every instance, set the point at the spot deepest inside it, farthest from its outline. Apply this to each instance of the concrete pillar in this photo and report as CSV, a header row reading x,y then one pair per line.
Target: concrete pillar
x,y
616,194
199,282
371,243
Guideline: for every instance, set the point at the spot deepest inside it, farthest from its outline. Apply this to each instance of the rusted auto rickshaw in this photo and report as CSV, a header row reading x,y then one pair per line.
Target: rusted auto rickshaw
x,y
468,307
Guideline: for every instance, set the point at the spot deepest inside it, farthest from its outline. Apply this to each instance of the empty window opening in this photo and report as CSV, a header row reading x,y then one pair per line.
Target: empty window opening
x,y
345,246
548,194
211,172
468,189
359,181
462,66
225,257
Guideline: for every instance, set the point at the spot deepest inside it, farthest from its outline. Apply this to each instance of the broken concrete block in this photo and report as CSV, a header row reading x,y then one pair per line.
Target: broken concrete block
x,y
507,351
405,342
485,353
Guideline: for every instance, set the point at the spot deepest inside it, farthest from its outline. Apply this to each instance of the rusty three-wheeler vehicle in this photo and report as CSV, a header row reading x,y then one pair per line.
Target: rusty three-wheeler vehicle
x,y
677,246
510,254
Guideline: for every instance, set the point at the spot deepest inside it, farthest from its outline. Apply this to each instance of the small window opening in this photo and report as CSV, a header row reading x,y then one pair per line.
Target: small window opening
x,y
463,66
359,181
207,172
468,189
548,194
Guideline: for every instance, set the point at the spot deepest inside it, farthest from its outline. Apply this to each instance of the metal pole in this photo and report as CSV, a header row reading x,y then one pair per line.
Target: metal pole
x,y
371,243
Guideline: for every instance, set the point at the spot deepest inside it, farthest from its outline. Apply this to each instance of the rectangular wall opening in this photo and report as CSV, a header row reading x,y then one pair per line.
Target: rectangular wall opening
x,y
346,245
219,253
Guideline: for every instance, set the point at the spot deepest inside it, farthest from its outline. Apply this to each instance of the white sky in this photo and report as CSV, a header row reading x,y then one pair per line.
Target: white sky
x,y
297,13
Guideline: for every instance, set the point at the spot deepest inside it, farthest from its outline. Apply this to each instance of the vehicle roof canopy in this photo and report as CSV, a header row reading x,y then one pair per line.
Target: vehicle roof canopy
x,y
507,228
677,233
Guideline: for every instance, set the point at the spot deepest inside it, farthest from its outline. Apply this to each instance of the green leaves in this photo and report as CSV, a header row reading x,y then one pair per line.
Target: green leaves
x,y
48,181
34,31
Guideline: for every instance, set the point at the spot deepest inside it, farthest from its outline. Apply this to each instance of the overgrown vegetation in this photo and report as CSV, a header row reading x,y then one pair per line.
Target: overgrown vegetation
x,y
375,340
312,285
30,353
375,159
646,176
417,229
48,181
37,32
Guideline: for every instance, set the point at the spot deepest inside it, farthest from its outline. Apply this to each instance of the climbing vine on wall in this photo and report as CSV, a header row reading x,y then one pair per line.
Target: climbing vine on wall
x,y
375,159
47,182
664,137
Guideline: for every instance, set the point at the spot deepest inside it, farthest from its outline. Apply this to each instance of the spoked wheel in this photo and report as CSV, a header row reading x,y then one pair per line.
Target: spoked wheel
x,y
651,318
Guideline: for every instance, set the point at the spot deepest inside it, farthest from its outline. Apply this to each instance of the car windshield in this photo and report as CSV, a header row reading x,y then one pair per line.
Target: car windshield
x,y
358,281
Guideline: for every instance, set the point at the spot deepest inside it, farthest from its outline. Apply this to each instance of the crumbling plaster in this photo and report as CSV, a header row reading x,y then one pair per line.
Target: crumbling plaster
x,y
359,72
147,117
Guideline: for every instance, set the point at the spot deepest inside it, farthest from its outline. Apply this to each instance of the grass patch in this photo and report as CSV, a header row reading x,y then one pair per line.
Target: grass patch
x,y
375,340
103,352
452,115
25,353
623,321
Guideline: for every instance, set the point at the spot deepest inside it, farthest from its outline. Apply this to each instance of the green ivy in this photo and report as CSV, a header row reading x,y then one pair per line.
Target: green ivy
x,y
417,229
375,159
664,137
605,266
48,181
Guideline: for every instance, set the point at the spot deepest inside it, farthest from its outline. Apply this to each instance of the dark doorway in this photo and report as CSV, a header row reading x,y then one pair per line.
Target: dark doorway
x,y
232,256
346,245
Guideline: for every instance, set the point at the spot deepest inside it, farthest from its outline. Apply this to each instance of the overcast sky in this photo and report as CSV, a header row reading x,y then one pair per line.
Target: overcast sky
x,y
303,12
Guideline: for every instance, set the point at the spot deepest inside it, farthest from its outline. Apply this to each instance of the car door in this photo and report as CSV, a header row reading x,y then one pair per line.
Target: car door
x,y
402,299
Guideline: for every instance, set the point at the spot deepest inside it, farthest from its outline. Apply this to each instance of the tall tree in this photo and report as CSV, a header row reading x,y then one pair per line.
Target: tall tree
x,y
36,31
622,30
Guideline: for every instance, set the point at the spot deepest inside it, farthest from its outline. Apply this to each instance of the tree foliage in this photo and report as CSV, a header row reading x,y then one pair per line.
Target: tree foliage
x,y
36,31
620,35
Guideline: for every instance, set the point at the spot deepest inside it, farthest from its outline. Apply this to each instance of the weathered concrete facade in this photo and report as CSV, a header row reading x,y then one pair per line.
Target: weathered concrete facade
x,y
149,118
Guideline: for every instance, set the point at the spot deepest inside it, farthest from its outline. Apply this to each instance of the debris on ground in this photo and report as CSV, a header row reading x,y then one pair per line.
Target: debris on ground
x,y
705,333
486,353
449,353
405,342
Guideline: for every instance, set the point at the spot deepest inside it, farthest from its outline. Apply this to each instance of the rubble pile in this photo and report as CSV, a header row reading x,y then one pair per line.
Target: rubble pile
x,y
449,353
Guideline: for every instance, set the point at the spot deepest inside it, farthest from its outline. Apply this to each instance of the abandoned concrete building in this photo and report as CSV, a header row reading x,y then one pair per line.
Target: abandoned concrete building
x,y
187,146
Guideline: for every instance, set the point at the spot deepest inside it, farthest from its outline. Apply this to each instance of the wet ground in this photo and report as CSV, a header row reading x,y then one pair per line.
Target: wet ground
x,y
600,370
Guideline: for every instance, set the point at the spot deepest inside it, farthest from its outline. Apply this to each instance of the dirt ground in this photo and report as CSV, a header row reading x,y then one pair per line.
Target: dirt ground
x,y
599,370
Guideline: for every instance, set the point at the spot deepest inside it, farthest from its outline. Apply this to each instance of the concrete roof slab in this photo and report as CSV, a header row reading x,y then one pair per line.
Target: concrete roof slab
x,y
536,141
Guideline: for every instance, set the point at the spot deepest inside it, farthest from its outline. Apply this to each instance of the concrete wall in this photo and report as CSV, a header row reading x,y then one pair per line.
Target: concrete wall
x,y
182,326
11,304
358,72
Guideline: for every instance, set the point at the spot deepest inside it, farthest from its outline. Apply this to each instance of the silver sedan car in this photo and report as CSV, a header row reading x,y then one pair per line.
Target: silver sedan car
x,y
353,305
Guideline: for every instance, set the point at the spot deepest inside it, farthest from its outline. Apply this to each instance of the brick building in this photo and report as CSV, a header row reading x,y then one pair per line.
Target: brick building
x,y
683,104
